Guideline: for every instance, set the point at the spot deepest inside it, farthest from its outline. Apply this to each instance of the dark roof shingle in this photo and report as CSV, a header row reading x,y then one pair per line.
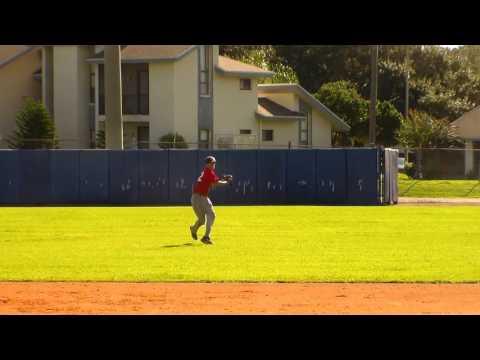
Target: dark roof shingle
x,y
269,108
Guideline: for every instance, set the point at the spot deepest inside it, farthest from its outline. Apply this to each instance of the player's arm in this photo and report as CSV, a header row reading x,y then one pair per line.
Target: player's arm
x,y
226,180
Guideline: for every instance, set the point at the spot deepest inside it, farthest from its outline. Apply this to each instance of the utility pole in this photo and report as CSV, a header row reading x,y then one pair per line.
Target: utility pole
x,y
113,98
373,95
407,75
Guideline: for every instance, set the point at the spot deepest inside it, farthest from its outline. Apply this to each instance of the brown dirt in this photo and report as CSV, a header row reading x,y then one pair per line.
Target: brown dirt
x,y
235,298
438,201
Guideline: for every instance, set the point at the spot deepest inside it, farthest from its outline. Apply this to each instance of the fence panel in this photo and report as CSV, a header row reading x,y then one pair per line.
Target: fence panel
x,y
272,176
123,167
34,176
301,177
327,176
331,176
93,176
153,176
182,166
242,164
362,176
9,177
219,194
64,176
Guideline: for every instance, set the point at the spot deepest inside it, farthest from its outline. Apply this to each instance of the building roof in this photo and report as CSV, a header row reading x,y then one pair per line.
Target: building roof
x,y
337,123
467,126
230,67
268,109
148,53
9,53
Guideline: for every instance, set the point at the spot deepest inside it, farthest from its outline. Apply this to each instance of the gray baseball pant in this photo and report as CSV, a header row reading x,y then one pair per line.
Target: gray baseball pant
x,y
203,208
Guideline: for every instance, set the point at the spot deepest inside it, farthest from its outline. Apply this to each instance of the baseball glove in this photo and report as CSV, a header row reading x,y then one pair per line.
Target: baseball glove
x,y
228,178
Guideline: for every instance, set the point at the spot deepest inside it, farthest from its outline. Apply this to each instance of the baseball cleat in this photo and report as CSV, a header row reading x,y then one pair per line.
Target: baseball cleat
x,y
194,234
206,240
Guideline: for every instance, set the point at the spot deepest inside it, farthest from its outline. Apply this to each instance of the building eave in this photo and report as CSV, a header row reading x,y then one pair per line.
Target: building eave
x,y
243,74
148,60
17,55
337,123
277,117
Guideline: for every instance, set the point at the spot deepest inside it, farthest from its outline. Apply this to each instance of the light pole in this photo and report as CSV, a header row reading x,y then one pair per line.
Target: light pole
x,y
407,75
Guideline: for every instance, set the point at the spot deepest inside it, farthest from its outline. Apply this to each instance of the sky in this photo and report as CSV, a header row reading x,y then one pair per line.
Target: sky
x,y
450,46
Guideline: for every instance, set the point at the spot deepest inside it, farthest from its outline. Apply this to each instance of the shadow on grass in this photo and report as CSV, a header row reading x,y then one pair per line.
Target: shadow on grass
x,y
177,246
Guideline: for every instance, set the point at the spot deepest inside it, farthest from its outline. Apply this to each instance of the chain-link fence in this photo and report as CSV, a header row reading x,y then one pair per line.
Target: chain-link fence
x,y
221,143
439,173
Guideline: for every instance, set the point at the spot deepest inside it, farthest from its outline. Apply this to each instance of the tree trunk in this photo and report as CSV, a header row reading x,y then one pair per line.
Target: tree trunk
x,y
419,169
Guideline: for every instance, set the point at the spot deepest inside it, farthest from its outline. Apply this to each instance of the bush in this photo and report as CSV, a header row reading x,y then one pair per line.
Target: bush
x,y
409,169
100,142
171,141
35,128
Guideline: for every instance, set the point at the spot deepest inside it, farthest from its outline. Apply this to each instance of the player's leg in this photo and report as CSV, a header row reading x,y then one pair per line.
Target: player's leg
x,y
210,213
199,210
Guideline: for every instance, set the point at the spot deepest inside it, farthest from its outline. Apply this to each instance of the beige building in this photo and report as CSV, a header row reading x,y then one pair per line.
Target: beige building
x,y
211,100
19,79
468,128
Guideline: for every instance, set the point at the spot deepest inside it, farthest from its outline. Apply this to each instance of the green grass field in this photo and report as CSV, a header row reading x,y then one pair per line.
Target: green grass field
x,y
438,188
253,243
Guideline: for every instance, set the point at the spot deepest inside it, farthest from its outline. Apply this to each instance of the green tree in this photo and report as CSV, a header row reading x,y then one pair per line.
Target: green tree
x,y
388,121
35,128
263,56
470,53
419,130
442,83
344,100
172,141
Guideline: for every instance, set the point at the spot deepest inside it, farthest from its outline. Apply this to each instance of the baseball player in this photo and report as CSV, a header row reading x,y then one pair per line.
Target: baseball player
x,y
201,203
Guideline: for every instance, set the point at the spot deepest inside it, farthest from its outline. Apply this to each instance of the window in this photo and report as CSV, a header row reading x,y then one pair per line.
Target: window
x,y
245,132
143,137
204,138
92,88
135,89
203,135
143,93
245,84
205,73
267,135
304,132
305,124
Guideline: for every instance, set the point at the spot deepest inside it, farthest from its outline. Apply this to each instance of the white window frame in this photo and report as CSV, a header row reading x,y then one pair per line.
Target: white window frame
x,y
206,57
273,135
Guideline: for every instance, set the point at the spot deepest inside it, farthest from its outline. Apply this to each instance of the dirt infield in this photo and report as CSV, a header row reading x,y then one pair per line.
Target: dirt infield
x,y
234,298
438,201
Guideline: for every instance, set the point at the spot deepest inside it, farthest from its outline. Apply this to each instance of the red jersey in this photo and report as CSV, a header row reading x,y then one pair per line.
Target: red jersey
x,y
206,179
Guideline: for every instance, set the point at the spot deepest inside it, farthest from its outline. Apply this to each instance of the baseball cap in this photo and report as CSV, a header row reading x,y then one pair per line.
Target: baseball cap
x,y
210,159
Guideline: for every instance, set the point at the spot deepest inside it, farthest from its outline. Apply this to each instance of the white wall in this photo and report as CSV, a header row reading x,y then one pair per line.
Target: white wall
x,y
71,76
321,130
17,84
161,88
284,131
233,109
288,99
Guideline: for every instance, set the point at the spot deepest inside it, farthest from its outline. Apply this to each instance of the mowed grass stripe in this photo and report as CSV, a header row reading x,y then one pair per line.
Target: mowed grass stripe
x,y
252,243
438,188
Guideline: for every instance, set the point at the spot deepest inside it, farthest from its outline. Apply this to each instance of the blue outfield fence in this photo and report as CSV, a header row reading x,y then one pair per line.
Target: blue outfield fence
x,y
364,176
